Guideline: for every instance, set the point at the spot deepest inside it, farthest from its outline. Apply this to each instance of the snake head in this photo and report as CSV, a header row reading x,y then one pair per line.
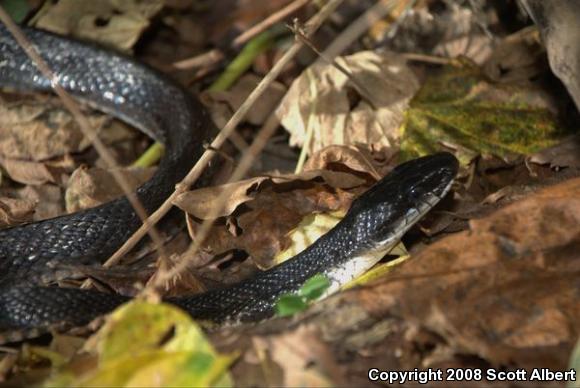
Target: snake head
x,y
389,208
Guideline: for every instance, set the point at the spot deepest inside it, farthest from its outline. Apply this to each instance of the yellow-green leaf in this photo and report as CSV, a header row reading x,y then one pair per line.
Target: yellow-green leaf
x,y
144,344
459,107
192,369
139,327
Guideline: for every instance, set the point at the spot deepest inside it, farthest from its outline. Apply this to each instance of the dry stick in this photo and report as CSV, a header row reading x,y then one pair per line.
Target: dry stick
x,y
84,124
217,55
427,58
312,25
367,95
357,28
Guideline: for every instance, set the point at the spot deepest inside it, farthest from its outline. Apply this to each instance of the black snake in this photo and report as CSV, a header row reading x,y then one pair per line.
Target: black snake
x,y
31,254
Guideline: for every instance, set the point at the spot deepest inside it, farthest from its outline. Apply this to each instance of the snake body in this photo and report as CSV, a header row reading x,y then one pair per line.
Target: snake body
x,y
31,254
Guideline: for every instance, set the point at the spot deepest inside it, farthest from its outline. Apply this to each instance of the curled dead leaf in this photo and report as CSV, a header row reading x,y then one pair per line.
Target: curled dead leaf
x,y
564,154
200,202
352,157
261,226
37,173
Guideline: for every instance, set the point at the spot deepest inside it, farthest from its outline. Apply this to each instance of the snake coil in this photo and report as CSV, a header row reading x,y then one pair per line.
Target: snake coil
x,y
34,254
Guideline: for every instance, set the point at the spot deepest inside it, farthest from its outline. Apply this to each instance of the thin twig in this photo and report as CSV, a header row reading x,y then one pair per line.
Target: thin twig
x,y
360,26
427,58
216,55
311,26
84,125
363,91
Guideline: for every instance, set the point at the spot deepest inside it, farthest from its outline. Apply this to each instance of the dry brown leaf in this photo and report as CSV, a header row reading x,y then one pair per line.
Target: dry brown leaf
x,y
31,130
15,211
518,57
450,31
352,157
563,154
304,359
48,200
506,290
117,23
262,225
31,173
321,99
38,173
199,202
89,187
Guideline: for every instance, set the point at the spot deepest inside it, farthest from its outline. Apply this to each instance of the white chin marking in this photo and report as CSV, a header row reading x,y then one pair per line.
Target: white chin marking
x,y
356,267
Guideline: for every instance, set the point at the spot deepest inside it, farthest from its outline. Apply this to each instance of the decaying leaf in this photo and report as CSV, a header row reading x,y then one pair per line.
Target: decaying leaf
x,y
302,357
31,130
117,23
94,186
262,226
518,57
310,228
324,101
15,211
459,108
199,202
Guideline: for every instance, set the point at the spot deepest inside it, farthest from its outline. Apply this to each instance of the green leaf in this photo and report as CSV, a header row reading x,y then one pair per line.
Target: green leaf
x,y
314,287
290,304
17,9
459,107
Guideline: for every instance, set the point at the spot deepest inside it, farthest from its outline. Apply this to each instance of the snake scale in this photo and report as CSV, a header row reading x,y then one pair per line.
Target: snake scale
x,y
35,254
